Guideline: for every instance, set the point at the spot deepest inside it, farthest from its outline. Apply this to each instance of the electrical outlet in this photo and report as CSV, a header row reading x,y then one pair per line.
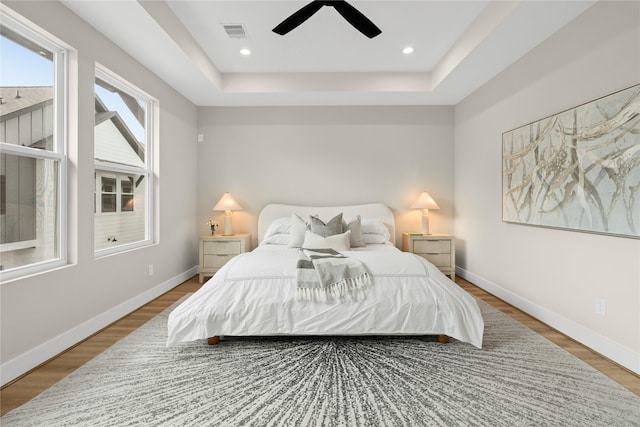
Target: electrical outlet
x,y
150,269
601,307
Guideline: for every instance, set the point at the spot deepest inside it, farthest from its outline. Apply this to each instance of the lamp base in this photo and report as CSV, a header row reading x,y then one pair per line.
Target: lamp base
x,y
425,222
227,224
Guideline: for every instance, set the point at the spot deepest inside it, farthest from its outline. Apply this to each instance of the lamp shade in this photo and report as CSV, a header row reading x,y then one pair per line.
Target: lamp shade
x,y
425,201
227,203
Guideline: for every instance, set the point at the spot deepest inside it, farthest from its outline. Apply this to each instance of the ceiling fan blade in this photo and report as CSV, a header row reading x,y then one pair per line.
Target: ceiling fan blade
x,y
298,18
356,18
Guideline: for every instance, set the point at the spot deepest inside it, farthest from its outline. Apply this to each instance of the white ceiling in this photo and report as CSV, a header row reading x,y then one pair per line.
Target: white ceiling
x,y
459,46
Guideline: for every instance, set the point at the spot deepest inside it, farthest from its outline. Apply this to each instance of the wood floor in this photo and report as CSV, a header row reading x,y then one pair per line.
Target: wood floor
x,y
30,385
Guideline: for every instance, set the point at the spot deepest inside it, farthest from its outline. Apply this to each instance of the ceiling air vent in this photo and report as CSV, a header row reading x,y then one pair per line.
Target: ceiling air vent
x,y
235,31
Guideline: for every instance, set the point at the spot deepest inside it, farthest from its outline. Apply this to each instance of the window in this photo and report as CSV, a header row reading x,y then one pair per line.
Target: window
x,y
126,194
33,149
123,173
116,193
108,194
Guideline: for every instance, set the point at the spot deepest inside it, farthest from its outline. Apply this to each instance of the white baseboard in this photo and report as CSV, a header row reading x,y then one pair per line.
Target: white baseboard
x,y
23,363
620,354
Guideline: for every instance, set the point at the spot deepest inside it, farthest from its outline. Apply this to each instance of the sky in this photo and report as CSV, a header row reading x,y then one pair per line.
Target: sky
x,y
22,67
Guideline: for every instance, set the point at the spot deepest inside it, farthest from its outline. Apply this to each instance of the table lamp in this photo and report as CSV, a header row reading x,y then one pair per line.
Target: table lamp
x,y
227,204
425,202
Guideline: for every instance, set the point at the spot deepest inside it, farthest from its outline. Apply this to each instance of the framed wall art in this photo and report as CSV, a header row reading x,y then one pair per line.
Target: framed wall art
x,y
578,169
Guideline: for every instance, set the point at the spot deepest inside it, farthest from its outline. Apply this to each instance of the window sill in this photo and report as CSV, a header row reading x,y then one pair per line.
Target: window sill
x,y
102,253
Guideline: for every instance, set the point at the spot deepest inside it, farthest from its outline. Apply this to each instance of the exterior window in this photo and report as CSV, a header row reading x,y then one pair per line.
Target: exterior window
x,y
116,192
108,194
126,194
33,150
3,195
123,173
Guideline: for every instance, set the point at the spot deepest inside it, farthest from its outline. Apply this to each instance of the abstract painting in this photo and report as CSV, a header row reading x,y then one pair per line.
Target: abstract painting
x,y
578,169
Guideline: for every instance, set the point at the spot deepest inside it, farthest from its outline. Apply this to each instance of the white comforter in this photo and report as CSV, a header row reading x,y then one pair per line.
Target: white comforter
x,y
255,294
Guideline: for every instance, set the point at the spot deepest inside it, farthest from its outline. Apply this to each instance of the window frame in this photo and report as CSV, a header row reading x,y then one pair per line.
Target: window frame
x,y
121,194
113,193
102,167
118,193
59,153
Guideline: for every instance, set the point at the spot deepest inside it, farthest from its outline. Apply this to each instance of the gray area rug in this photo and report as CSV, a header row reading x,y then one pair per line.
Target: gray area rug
x,y
517,379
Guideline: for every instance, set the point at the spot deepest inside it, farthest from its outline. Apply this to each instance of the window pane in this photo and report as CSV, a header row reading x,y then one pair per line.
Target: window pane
x,y
127,199
127,203
32,87
122,158
108,203
127,185
108,185
28,231
26,97
3,195
120,120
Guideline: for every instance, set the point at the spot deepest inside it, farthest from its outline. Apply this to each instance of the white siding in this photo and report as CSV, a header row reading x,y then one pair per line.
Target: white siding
x,y
29,127
47,112
111,146
37,129
12,131
126,227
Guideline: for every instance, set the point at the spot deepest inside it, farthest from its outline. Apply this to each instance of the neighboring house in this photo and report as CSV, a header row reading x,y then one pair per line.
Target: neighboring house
x,y
119,218
26,118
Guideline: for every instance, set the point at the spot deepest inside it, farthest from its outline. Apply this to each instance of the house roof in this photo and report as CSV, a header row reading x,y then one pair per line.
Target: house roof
x,y
103,114
18,98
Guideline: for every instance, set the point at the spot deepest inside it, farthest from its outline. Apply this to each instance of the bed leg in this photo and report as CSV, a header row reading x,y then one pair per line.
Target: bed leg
x,y
443,339
213,340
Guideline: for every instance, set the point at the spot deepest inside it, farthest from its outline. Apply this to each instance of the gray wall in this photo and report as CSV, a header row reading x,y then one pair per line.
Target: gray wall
x,y
556,275
326,156
41,313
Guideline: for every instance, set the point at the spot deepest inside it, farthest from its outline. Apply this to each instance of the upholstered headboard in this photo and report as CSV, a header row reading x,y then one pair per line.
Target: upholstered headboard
x,y
369,211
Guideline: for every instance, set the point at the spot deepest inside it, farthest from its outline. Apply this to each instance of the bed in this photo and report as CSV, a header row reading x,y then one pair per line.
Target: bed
x,y
257,293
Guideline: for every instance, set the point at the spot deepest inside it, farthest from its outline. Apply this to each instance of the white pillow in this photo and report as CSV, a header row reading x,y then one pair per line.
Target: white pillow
x,y
372,239
280,225
338,242
375,226
355,226
296,233
276,239
278,230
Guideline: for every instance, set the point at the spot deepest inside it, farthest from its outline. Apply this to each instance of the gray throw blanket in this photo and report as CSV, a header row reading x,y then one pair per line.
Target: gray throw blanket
x,y
326,274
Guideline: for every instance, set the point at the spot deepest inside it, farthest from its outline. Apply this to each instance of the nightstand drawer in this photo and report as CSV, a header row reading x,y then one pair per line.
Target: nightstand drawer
x,y
222,248
431,247
438,249
216,251
439,260
215,261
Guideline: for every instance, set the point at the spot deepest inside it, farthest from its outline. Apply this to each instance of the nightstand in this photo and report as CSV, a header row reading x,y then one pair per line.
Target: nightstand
x,y
216,250
438,249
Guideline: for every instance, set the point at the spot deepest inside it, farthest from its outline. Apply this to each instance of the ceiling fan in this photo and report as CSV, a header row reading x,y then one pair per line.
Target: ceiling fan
x,y
350,13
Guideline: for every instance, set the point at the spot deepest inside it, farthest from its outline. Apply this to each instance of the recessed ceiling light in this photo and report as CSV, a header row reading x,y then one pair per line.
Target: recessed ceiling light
x,y
407,50
245,52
